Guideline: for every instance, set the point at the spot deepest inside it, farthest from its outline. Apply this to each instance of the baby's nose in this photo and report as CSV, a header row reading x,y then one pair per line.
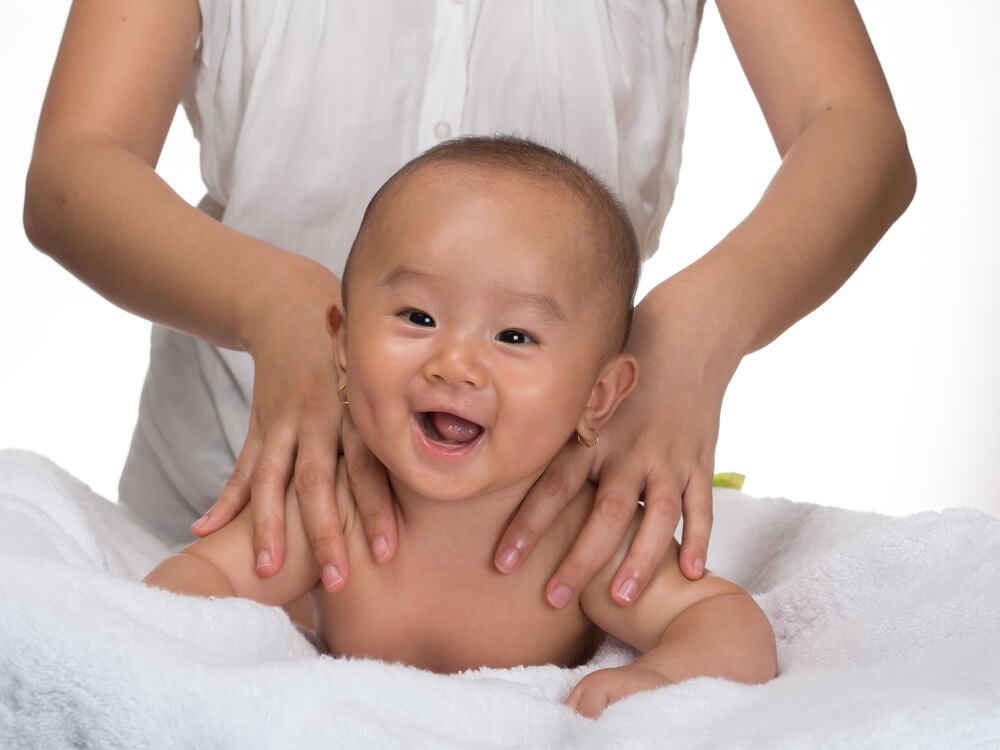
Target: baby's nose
x,y
457,361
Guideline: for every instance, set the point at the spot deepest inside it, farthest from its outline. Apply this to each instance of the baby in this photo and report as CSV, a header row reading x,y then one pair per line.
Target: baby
x,y
486,304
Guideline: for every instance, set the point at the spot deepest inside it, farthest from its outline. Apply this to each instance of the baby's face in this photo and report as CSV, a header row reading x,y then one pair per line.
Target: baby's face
x,y
472,340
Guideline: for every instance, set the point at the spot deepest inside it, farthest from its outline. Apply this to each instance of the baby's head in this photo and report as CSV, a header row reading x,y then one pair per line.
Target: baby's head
x,y
487,297
606,243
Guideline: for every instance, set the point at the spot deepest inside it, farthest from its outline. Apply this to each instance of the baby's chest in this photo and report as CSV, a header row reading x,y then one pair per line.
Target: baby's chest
x,y
502,622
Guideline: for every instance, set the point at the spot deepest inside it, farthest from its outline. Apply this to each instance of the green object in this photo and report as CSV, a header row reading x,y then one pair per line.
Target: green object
x,y
729,479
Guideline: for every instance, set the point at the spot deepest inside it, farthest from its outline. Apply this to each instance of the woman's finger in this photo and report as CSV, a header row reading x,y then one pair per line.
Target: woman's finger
x,y
313,481
662,513
370,486
616,502
697,524
558,484
268,481
235,493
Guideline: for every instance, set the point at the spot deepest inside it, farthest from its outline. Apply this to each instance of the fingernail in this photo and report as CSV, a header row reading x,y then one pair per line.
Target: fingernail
x,y
263,559
699,566
628,589
559,596
200,521
380,548
507,559
331,576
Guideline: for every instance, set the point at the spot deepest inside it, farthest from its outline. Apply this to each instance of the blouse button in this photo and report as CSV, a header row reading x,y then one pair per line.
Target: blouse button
x,y
442,130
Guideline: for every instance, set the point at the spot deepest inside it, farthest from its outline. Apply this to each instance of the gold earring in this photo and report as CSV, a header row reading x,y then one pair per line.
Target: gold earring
x,y
341,396
586,444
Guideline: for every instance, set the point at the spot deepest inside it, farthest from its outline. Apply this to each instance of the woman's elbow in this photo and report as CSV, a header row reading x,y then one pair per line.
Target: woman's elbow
x,y
903,173
40,195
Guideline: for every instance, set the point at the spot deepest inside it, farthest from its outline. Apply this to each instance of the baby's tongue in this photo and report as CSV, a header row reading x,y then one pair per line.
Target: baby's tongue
x,y
454,428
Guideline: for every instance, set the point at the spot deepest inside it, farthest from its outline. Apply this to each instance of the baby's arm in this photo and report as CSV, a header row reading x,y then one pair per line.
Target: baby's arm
x,y
222,564
710,627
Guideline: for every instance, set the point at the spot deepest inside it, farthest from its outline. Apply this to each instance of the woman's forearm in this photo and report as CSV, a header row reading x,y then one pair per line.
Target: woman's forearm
x,y
95,204
841,184
104,214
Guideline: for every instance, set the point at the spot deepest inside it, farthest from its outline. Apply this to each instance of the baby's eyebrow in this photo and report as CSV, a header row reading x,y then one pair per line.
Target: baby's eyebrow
x,y
543,303
546,305
401,275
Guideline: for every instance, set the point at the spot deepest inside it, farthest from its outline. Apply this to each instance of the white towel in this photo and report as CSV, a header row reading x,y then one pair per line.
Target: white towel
x,y
888,636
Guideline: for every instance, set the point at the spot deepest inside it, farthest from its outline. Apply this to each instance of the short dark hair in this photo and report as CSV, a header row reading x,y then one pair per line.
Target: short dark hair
x,y
616,247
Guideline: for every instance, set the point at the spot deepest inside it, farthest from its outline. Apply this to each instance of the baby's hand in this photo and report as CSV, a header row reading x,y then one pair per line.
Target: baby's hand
x,y
600,689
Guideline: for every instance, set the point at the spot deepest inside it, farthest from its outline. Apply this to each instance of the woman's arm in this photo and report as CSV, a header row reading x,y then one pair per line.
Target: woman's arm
x,y
93,200
845,176
95,204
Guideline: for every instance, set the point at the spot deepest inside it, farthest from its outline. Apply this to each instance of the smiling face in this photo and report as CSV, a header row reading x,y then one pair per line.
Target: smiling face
x,y
474,334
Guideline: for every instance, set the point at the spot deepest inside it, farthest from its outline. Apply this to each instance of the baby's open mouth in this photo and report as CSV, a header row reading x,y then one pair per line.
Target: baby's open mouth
x,y
449,429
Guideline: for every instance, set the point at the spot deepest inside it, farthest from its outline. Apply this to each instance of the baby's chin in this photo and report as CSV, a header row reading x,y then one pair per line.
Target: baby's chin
x,y
450,486
434,487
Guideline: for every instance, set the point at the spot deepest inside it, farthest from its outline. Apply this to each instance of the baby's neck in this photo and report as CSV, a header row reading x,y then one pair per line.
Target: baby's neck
x,y
461,527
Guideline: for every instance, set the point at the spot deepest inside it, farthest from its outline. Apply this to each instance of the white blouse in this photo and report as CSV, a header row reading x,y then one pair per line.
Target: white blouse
x,y
303,108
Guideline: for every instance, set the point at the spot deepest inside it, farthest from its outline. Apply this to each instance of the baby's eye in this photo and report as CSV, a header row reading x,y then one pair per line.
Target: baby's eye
x,y
418,318
513,336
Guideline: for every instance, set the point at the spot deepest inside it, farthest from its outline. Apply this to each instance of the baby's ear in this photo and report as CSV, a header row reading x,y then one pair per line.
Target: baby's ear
x,y
337,327
616,381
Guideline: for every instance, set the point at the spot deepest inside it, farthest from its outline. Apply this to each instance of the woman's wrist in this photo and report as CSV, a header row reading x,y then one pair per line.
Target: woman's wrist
x,y
682,321
293,293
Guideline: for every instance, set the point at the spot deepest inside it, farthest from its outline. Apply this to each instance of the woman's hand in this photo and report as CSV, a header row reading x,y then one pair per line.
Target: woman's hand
x,y
659,445
298,427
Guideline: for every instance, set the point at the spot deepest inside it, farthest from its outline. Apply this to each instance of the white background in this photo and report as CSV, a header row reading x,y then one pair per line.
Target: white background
x,y
885,399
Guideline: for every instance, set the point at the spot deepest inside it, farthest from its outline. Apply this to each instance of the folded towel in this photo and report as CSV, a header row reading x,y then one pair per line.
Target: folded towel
x,y
887,637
